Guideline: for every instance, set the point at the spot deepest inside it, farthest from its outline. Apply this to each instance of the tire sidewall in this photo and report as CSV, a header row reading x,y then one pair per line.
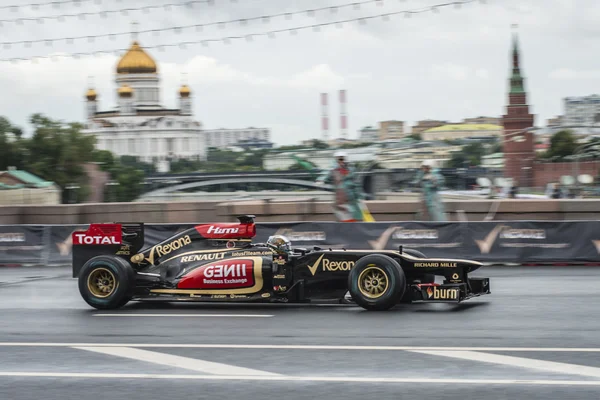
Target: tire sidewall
x,y
394,274
124,278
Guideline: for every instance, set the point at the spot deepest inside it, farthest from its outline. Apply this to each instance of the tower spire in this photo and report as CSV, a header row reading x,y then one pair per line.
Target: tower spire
x,y
134,30
515,46
516,79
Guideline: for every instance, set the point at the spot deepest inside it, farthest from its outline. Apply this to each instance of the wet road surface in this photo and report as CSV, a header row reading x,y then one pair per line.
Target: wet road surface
x,y
535,336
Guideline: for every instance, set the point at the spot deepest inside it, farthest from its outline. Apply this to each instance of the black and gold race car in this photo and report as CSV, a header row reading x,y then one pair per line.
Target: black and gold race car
x,y
219,263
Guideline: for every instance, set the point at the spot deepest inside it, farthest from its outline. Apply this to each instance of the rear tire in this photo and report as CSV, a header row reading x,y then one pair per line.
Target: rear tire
x,y
377,282
106,282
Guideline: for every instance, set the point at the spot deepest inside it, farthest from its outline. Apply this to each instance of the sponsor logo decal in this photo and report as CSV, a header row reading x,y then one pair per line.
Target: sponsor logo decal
x,y
83,238
301,236
217,230
435,265
265,295
162,250
251,253
12,237
280,276
331,266
280,261
98,234
227,274
202,257
508,234
125,250
429,236
225,231
441,294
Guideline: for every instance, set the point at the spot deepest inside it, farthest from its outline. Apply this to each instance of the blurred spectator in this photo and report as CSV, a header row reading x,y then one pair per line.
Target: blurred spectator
x,y
348,196
430,181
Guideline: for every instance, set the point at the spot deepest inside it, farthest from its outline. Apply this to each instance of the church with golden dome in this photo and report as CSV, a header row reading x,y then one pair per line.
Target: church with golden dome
x,y
139,125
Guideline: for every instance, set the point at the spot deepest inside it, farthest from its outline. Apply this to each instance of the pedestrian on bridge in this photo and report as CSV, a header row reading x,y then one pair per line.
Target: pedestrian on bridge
x,y
348,196
430,182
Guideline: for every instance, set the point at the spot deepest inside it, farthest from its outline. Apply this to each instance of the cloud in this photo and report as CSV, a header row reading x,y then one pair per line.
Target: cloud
x,y
449,65
570,74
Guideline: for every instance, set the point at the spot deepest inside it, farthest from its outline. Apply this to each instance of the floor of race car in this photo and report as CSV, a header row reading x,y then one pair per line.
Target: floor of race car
x,y
534,336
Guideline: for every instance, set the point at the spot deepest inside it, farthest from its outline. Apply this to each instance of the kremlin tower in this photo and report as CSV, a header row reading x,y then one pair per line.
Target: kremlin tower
x,y
519,152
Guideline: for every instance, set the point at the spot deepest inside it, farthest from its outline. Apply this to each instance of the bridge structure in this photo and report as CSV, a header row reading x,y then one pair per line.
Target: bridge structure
x,y
372,180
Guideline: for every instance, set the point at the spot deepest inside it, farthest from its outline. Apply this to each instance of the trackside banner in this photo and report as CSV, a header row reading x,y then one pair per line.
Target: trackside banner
x,y
495,242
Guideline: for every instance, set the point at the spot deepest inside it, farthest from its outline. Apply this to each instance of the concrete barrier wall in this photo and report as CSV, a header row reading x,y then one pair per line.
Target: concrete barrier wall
x,y
300,209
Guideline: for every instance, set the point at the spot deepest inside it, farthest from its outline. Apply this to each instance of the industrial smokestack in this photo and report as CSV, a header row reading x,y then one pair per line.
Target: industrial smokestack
x,y
343,116
324,116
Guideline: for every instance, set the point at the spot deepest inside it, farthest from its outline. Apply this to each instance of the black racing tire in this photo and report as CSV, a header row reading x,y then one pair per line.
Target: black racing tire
x,y
106,282
377,282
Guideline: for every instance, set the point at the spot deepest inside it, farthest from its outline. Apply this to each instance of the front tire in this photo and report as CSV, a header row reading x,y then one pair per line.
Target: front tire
x,y
377,282
106,282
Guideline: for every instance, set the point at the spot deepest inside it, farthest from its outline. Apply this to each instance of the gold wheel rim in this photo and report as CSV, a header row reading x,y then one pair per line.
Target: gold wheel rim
x,y
102,282
373,282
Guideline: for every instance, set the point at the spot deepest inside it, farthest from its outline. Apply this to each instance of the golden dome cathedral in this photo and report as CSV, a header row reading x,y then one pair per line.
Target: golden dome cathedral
x,y
184,91
91,94
125,91
136,61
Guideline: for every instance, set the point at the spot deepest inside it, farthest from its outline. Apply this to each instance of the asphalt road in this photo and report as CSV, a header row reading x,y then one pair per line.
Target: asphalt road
x,y
535,336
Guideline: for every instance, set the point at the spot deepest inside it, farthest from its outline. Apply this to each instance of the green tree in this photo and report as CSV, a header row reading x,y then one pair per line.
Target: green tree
x,y
57,152
469,155
12,152
562,144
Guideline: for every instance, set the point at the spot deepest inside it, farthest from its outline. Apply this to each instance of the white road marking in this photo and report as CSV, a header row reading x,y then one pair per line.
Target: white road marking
x,y
340,379
177,361
188,315
549,366
302,347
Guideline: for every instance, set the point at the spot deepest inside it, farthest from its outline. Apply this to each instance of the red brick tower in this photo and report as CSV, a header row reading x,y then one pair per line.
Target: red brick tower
x,y
519,151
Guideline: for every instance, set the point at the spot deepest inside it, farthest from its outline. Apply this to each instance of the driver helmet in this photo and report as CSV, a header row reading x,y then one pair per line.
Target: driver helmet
x,y
280,244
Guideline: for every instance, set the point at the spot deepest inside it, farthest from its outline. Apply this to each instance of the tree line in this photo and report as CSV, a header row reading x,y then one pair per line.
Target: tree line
x,y
57,152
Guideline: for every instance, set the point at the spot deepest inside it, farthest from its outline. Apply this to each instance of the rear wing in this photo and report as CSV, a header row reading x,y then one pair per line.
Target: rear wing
x,y
118,239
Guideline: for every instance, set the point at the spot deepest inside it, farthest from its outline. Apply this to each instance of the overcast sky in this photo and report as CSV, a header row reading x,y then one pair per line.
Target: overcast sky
x,y
447,65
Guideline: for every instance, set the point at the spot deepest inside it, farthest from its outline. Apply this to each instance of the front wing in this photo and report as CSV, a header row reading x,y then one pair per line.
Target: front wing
x,y
449,292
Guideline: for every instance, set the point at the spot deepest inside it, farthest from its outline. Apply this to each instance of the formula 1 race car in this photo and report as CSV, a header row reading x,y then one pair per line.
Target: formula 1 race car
x,y
219,263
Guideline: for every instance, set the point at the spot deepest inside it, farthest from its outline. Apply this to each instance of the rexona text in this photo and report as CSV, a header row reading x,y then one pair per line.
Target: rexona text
x,y
174,245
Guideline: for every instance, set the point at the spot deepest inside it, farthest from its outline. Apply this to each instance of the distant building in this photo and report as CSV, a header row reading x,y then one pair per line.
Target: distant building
x,y
322,159
424,125
21,187
255,144
461,131
368,134
140,126
518,146
556,121
483,120
413,155
223,138
391,130
583,110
